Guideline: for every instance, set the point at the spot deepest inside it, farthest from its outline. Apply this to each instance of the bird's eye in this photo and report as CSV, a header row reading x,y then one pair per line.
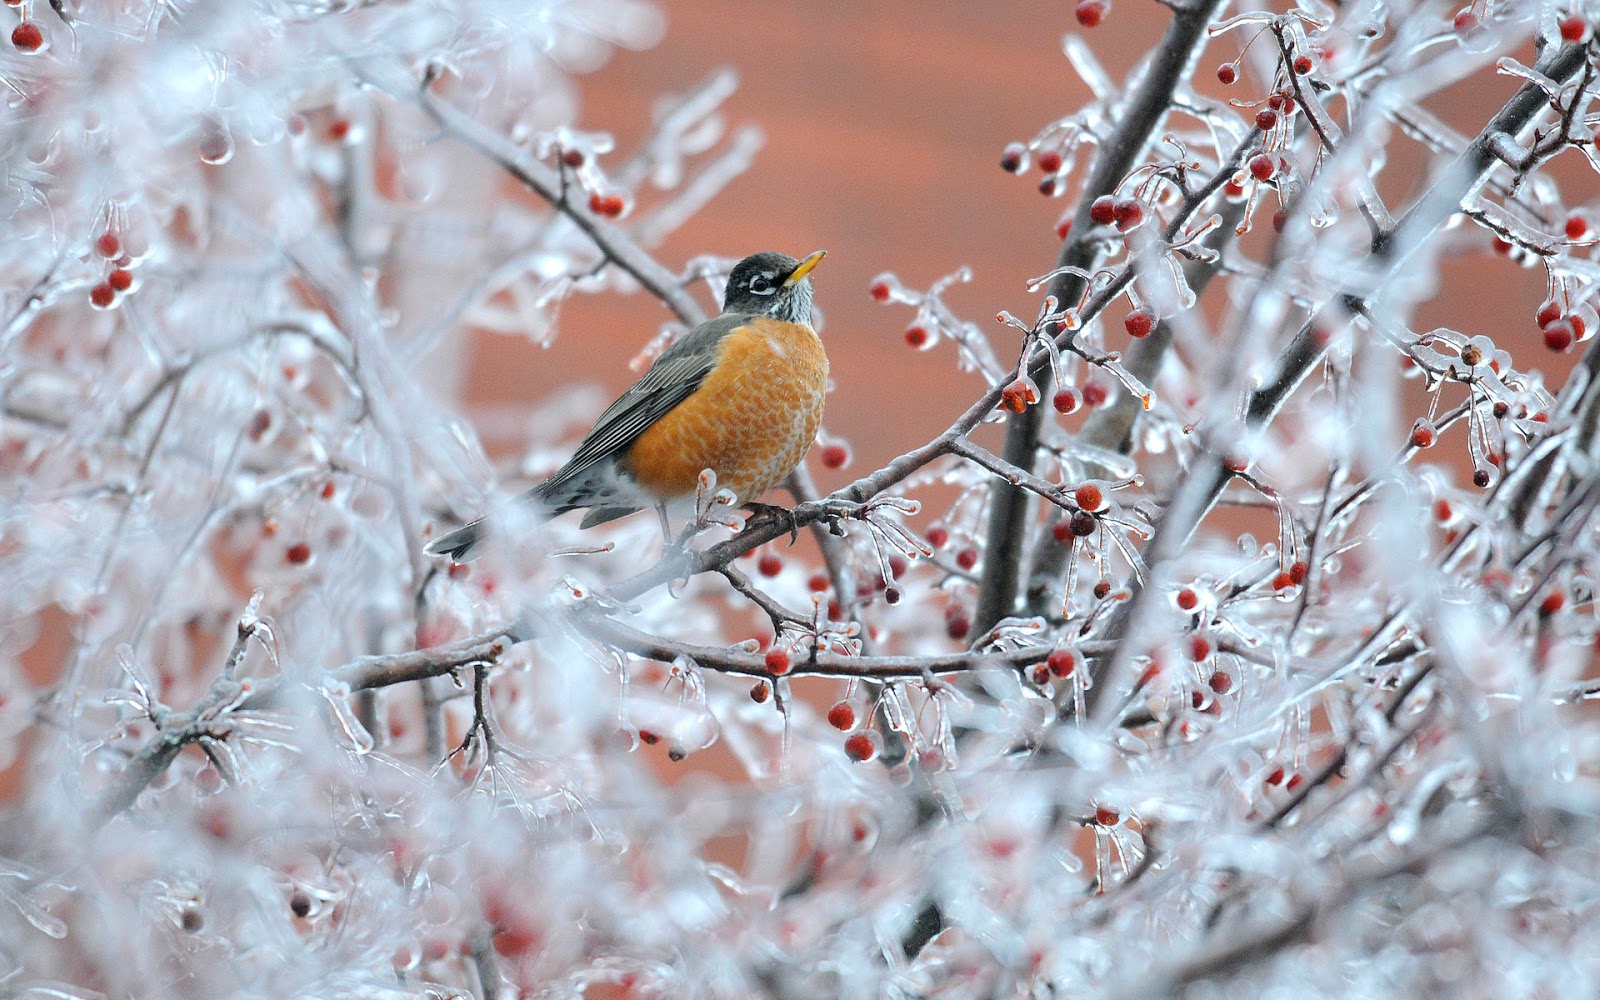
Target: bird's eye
x,y
762,284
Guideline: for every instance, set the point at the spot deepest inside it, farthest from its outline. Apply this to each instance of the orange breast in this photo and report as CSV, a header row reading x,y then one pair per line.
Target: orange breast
x,y
751,421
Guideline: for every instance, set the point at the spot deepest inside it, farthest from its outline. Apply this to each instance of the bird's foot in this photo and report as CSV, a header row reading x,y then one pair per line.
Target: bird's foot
x,y
782,516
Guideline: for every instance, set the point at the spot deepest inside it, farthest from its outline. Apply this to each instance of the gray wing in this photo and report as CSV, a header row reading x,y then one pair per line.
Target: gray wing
x,y
674,377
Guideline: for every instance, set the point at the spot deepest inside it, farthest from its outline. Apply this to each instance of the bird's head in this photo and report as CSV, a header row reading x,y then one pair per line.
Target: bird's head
x,y
772,284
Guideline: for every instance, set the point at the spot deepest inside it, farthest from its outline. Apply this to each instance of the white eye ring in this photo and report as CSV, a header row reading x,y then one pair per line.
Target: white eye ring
x,y
761,284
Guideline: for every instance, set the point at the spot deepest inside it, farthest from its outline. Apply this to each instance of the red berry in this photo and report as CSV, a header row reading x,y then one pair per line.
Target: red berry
x,y
609,205
1303,65
891,595
1573,28
1576,226
917,337
861,747
298,554
1127,213
1233,189
1188,600
1221,683
1062,662
120,279
1082,523
1101,589
1578,326
1503,246
1106,817
1040,674
777,661
1548,312
1559,334
1422,434
27,37
770,564
1441,511
648,738
1465,21
879,291
938,536
1103,211
1063,227
102,295
1139,323
1261,167
459,571
1199,647
1481,478
842,717
1094,393
1062,530
1014,158
1050,161
957,626
1282,581
1552,603
967,558
108,246
1065,401
1089,497
1091,12
1266,119
1295,781
760,692
835,456
1276,777
1227,73
1298,572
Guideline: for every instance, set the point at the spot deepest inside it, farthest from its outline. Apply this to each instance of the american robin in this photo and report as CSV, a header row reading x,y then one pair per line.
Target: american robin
x,y
740,395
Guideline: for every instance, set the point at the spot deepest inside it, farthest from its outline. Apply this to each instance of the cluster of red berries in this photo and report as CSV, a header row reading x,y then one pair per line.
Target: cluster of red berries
x,y
1561,328
119,280
1125,213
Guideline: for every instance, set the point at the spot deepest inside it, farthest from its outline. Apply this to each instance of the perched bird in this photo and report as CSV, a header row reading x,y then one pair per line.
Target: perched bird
x,y
740,395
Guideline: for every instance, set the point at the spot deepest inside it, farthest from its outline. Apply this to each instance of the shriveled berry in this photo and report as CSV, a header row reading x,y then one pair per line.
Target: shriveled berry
x,y
648,738
1016,396
1082,523
1101,589
1481,478
1139,323
1014,158
842,716
1103,211
760,692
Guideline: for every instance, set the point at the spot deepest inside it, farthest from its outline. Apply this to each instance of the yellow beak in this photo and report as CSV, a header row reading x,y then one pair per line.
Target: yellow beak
x,y
804,268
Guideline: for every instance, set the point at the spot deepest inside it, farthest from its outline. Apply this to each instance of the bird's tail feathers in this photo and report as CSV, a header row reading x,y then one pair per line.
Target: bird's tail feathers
x,y
457,544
